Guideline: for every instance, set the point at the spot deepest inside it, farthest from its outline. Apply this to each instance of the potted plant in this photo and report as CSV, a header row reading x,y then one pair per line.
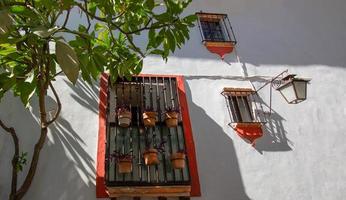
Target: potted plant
x,y
150,155
178,159
171,117
124,116
123,160
149,117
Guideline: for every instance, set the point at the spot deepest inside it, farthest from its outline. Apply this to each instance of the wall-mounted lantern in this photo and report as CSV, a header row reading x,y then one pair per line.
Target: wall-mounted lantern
x,y
293,89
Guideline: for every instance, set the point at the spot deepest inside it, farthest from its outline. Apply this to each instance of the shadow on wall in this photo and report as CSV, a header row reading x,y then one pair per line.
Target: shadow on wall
x,y
274,135
273,32
65,170
217,161
85,94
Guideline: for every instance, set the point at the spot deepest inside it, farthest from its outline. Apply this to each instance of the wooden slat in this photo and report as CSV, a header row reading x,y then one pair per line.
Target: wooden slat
x,y
155,191
237,91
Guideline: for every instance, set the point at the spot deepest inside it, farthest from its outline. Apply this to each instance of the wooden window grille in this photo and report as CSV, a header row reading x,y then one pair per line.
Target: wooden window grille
x,y
158,93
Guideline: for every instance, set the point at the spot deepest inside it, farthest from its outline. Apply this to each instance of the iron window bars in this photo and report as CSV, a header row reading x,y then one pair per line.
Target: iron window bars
x,y
215,28
243,106
159,93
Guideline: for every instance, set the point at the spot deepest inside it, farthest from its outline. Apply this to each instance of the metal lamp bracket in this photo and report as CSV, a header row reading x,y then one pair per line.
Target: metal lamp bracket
x,y
275,83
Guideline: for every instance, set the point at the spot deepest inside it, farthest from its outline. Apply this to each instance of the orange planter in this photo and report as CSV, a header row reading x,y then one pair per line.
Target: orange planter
x,y
178,160
149,118
125,165
151,157
124,118
171,119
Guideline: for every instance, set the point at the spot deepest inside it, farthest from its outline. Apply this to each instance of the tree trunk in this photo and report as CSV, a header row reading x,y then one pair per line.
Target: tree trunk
x,y
43,82
13,134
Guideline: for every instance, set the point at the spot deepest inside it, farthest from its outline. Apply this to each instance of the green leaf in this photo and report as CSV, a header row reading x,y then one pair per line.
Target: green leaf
x,y
152,39
25,90
5,22
138,67
99,26
171,40
43,32
67,60
17,9
6,49
92,7
66,4
190,19
150,4
84,60
157,52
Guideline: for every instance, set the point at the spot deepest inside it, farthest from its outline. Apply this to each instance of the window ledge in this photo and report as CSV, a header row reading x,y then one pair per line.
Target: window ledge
x,y
249,131
149,191
247,124
220,47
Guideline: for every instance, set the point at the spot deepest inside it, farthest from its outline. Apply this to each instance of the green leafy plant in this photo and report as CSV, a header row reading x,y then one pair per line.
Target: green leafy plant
x,y
104,42
21,161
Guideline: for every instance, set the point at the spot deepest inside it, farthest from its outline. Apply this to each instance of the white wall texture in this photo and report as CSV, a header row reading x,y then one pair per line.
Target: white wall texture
x,y
300,156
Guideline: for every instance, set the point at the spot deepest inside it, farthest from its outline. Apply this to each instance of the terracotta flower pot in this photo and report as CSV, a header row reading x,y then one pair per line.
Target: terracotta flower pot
x,y
149,118
124,118
178,160
171,118
151,157
125,165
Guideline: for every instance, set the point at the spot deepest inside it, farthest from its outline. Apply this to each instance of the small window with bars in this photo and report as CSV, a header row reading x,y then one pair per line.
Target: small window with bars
x,y
240,103
215,28
244,112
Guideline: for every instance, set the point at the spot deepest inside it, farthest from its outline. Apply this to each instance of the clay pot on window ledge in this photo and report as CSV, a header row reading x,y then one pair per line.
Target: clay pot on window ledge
x,y
178,160
149,118
171,118
125,165
151,157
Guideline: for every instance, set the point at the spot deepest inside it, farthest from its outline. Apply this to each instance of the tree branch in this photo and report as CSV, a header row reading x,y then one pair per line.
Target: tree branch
x,y
66,18
58,109
138,50
13,134
87,16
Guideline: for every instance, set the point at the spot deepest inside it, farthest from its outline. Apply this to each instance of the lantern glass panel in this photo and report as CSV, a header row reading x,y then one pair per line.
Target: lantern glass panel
x,y
288,92
300,87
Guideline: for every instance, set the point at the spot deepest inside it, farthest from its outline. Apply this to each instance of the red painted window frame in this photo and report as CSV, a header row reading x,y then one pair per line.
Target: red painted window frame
x,y
101,191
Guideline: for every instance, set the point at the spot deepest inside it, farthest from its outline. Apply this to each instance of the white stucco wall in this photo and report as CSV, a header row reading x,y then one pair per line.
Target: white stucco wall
x,y
301,155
